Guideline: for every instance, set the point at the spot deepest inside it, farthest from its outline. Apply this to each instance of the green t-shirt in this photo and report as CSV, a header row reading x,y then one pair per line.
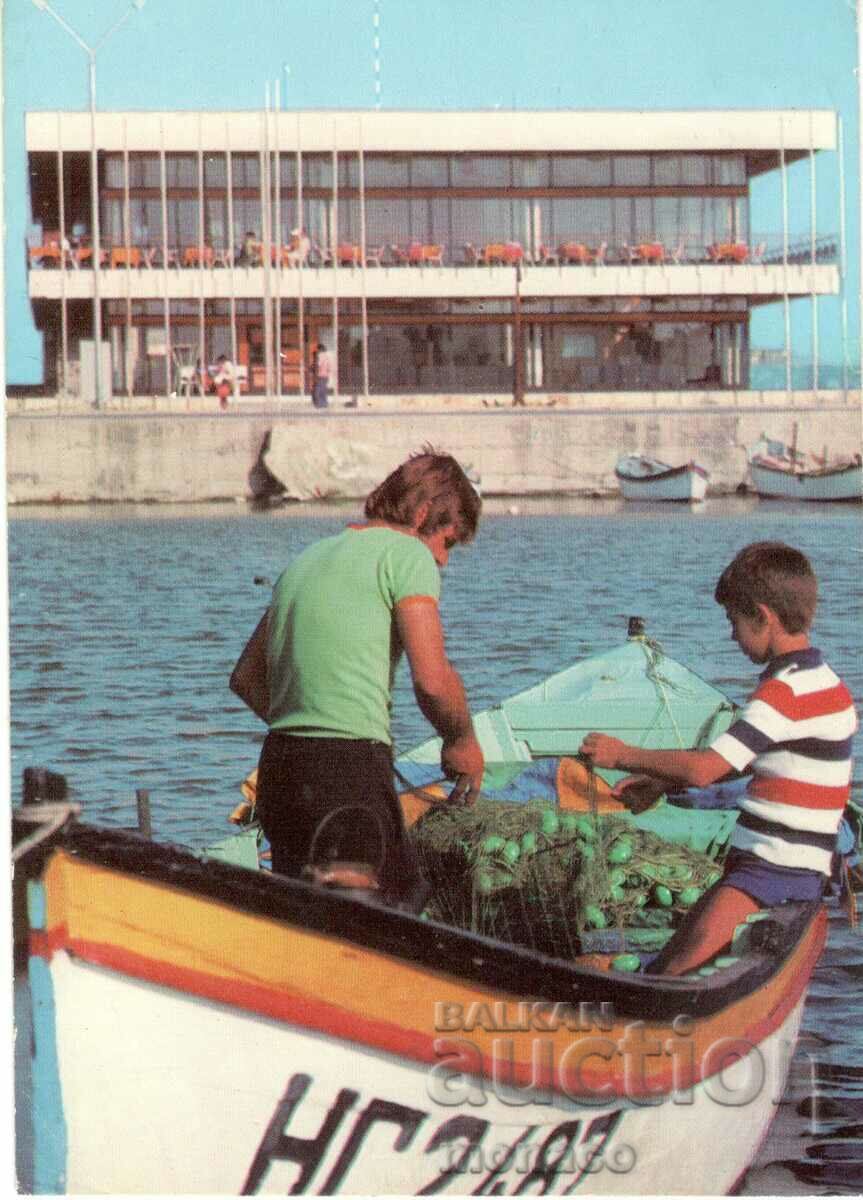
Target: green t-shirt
x,y
332,645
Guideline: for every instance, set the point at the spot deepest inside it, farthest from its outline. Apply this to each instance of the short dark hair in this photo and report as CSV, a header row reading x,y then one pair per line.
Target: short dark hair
x,y
428,477
775,575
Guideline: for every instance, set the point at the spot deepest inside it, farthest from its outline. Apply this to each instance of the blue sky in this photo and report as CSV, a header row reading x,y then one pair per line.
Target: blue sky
x,y
528,54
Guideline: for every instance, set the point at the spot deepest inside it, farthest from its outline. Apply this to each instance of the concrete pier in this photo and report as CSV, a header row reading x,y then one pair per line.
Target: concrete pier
x,y
185,450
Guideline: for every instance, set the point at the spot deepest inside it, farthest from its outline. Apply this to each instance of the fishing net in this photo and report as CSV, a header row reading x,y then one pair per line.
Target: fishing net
x,y
534,876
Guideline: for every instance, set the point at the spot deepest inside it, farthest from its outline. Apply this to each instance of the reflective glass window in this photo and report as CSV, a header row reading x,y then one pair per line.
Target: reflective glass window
x,y
666,170
386,170
215,170
181,170
481,170
429,170
317,170
245,170
532,170
694,168
580,170
631,169
349,170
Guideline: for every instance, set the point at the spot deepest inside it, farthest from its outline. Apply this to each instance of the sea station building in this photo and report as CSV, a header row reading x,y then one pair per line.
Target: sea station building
x,y
493,254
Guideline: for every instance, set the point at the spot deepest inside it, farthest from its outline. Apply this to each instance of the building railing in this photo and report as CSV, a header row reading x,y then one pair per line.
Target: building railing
x,y
486,251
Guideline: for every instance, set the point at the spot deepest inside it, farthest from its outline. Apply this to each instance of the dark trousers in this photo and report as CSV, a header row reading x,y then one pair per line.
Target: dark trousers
x,y
324,798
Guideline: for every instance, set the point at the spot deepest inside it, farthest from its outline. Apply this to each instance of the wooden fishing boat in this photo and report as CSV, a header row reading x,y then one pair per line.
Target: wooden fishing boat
x,y
642,478
781,472
203,1028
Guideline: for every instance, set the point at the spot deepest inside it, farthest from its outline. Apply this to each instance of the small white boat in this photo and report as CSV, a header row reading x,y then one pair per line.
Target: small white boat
x,y
642,478
782,472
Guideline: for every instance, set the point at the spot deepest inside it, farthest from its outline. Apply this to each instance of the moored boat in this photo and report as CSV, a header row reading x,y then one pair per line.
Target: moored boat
x,y
783,473
199,1027
642,478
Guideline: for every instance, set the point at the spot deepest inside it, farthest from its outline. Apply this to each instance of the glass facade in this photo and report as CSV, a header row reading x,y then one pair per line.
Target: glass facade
x,y
456,204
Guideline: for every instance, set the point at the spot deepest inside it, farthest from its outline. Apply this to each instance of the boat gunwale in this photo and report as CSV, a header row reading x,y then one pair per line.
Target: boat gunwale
x,y
661,476
428,944
805,473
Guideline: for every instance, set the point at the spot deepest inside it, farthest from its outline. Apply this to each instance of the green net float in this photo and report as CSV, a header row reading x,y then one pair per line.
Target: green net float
x,y
680,871
594,916
550,823
587,852
621,851
568,822
663,896
617,877
705,971
689,895
616,893
625,962
492,844
483,883
726,960
639,899
585,828
528,842
511,852
713,877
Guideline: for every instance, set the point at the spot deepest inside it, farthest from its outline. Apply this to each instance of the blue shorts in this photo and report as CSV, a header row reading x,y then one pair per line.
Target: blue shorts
x,y
768,884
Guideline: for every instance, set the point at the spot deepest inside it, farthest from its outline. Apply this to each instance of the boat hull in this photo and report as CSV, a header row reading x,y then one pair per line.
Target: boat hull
x,y
202,1028
687,483
198,1096
841,484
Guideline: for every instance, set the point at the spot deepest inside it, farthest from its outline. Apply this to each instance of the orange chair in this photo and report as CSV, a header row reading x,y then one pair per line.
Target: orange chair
x,y
123,257
494,252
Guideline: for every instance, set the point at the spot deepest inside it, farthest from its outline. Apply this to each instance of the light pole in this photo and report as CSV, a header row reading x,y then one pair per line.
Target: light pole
x,y
91,52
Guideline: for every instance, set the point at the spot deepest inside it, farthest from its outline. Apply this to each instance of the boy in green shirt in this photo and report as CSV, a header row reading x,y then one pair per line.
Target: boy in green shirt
x,y
319,669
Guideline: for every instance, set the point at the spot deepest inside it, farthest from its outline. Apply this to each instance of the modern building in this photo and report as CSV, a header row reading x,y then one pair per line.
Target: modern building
x,y
493,253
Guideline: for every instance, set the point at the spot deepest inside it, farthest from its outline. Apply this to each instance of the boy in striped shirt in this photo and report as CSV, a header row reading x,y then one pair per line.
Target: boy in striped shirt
x,y
794,735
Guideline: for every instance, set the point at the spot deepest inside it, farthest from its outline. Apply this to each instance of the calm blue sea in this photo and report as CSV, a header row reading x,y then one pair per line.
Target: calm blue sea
x,y
125,624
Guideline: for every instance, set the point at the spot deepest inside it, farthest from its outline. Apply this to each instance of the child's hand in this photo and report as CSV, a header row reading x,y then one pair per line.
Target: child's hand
x,y
602,750
639,792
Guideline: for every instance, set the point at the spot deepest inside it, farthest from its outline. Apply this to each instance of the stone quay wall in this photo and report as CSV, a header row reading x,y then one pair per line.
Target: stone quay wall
x,y
189,451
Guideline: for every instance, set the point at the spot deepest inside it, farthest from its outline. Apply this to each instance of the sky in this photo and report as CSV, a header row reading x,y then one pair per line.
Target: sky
x,y
451,54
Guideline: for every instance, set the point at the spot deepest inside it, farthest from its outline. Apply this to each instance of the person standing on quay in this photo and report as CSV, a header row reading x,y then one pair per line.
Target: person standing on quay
x,y
319,670
323,368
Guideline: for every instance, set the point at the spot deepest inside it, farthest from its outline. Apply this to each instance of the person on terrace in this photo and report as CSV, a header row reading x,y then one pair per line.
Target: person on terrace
x,y
794,736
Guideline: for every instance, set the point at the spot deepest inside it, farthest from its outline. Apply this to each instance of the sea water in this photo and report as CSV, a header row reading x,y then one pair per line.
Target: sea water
x,y
125,624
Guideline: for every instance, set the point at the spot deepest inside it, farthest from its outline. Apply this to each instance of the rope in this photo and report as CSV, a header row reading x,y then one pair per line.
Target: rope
x,y
654,653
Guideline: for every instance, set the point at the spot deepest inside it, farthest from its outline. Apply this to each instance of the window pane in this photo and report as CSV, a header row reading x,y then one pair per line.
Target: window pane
x,y
729,169
246,170
288,167
215,170
385,170
349,170
693,168
531,171
429,170
580,170
182,170
114,170
480,170
666,170
631,169
317,170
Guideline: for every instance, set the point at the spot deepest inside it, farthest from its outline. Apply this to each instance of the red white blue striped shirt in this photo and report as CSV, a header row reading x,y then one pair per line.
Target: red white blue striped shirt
x,y
795,733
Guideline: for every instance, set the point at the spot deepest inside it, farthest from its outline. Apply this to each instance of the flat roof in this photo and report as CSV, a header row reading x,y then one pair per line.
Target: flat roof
x,y
756,131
